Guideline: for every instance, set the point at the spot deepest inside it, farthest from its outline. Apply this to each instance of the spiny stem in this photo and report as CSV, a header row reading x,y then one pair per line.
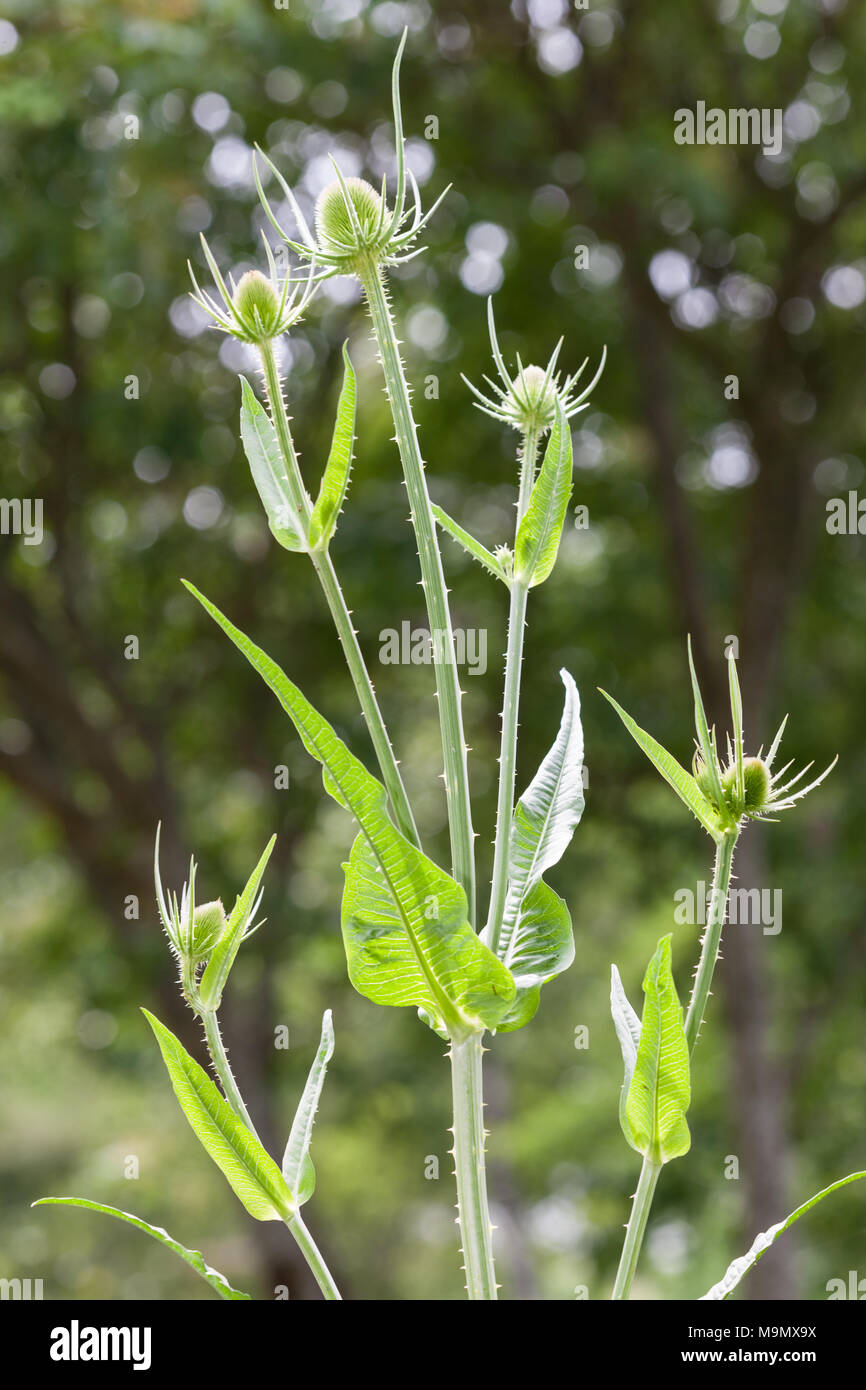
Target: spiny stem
x,y
222,1067
475,1229
649,1176
510,708
305,1242
700,993
712,936
311,1253
433,581
327,577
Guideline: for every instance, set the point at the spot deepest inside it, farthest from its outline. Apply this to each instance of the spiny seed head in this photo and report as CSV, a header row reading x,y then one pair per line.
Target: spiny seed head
x,y
337,231
209,921
757,783
756,778
257,305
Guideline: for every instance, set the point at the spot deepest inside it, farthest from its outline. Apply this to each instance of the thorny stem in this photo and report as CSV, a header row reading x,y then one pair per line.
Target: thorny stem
x,y
649,1176
295,1224
313,1256
433,582
712,936
327,577
469,1135
700,993
510,708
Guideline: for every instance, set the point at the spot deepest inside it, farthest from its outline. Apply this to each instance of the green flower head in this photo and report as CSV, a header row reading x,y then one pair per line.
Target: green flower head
x,y
257,309
355,227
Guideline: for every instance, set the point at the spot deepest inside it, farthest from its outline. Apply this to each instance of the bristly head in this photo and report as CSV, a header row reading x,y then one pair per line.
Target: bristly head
x,y
746,787
260,307
356,229
527,401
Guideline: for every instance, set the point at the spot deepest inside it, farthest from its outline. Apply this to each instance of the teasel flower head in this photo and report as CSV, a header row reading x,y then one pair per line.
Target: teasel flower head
x,y
193,930
527,400
746,787
260,307
355,227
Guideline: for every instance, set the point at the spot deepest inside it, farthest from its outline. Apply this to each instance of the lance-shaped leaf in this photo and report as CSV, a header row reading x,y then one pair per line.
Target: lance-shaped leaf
x,y
659,1092
535,939
737,727
298,1169
708,748
251,1172
217,1281
439,965
262,449
765,1239
539,533
472,546
222,959
627,1025
470,988
674,774
335,479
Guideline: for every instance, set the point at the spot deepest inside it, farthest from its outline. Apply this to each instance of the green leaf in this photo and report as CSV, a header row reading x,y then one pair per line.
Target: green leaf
x,y
539,533
535,939
737,726
708,747
213,980
676,776
262,449
468,986
216,1280
541,946
627,1025
335,479
472,546
765,1239
298,1169
659,1091
251,1172
439,965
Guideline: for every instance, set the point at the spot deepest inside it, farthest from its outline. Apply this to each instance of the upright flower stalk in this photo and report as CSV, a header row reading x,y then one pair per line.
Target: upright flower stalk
x,y
657,1050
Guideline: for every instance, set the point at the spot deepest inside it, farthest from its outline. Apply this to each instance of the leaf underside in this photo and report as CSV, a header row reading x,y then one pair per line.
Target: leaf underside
x,y
535,939
627,1025
262,449
298,1170
762,1242
217,1281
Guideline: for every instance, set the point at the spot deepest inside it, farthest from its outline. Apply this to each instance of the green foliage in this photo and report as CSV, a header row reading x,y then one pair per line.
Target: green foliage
x,y
540,531
251,1173
469,543
335,479
269,472
298,1170
213,981
657,1073
408,939
217,1281
740,1267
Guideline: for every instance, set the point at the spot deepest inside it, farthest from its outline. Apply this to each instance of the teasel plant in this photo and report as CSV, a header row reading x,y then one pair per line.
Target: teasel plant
x,y
205,941
409,926
658,1048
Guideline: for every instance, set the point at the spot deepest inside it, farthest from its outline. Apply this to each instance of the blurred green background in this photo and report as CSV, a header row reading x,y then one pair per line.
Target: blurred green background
x,y
126,130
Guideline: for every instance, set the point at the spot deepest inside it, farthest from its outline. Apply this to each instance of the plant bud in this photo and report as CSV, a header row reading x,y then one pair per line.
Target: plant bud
x,y
334,225
257,304
757,780
209,923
